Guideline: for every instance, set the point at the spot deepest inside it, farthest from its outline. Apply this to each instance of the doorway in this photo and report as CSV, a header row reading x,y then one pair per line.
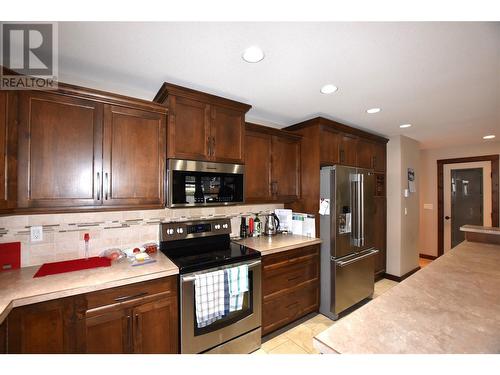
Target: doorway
x,y
467,194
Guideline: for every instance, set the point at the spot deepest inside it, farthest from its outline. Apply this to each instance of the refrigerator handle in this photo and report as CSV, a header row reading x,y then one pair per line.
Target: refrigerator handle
x,y
355,209
358,209
362,201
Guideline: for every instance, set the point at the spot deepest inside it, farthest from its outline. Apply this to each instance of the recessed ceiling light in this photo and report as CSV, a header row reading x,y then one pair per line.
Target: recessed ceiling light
x,y
489,136
373,110
405,126
253,54
328,89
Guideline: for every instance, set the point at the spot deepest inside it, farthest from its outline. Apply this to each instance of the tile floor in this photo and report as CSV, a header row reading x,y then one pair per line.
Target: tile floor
x,y
297,338
424,262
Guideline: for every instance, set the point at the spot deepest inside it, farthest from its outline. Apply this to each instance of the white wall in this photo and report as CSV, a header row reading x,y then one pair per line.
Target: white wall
x,y
428,186
402,213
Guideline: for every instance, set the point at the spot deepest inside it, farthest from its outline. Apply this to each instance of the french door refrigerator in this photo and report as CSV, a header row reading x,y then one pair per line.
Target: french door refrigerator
x,y
347,229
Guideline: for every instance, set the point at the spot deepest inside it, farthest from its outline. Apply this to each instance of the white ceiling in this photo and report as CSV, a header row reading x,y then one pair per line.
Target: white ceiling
x,y
444,78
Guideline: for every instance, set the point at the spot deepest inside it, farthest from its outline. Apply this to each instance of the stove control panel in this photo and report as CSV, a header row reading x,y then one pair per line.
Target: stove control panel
x,y
192,229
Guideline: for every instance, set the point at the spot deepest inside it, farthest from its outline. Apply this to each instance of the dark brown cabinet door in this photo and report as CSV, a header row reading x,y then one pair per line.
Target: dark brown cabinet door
x,y
155,327
8,150
3,338
365,154
285,169
134,157
60,143
348,150
329,147
42,328
379,234
189,129
107,333
228,134
257,167
379,157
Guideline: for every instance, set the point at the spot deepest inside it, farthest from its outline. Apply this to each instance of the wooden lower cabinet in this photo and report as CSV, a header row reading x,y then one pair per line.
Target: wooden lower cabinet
x,y
42,328
3,338
138,318
290,286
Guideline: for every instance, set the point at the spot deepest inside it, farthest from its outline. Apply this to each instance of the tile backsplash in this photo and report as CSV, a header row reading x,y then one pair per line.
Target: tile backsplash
x,y
63,233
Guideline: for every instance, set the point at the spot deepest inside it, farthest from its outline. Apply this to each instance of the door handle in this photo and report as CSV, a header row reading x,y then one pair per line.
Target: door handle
x,y
447,217
347,262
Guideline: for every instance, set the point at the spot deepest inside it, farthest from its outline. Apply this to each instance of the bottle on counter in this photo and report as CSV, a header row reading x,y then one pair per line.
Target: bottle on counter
x,y
257,226
243,227
251,227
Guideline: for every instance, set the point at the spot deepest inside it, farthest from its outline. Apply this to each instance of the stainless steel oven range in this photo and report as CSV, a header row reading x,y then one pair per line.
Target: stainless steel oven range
x,y
201,247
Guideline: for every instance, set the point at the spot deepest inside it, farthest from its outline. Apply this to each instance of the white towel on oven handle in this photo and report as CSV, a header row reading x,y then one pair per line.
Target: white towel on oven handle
x,y
238,286
209,297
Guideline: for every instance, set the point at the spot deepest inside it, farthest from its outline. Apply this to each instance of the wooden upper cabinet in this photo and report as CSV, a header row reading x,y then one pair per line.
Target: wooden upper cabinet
x,y
8,150
228,135
188,129
134,157
365,153
285,168
348,149
329,147
60,141
379,156
257,166
203,126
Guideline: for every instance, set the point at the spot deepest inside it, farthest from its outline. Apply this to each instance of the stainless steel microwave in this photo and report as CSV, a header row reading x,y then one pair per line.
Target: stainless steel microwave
x,y
197,183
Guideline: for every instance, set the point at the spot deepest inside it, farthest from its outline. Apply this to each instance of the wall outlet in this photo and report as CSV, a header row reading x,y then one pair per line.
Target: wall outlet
x,y
36,233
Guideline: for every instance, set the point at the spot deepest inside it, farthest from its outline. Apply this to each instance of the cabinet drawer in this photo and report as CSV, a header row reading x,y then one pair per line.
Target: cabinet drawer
x,y
286,276
287,258
283,309
167,286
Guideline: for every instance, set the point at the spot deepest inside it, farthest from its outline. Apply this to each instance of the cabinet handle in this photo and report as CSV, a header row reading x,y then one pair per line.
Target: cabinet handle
x,y
137,326
213,146
294,278
125,298
107,186
209,145
274,188
129,332
98,186
374,162
341,156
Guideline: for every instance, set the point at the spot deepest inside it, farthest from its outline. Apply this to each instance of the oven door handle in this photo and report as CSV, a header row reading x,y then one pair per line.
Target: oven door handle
x,y
187,279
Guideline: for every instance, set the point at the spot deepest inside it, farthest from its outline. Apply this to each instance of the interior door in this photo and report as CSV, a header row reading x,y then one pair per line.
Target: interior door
x,y
467,199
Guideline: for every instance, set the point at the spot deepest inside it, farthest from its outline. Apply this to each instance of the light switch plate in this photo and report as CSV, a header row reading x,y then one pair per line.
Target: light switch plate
x,y
428,206
36,233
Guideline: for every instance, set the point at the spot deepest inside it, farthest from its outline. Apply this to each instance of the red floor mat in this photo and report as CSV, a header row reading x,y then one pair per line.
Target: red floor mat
x,y
72,265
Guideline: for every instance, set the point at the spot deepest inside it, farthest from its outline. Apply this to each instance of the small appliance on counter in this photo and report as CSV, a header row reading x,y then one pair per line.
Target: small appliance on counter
x,y
204,253
272,224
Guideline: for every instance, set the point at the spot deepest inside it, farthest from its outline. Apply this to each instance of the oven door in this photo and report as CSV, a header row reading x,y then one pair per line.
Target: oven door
x,y
236,323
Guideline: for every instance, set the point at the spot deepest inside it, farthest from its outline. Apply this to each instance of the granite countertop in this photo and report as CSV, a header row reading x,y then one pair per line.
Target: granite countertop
x,y
277,243
19,288
480,229
450,306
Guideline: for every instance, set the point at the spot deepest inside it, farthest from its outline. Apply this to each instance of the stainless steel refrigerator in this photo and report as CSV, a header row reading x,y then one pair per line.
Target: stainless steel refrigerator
x,y
347,228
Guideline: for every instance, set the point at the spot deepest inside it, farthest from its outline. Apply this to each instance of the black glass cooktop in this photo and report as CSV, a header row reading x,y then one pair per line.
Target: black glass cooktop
x,y
205,253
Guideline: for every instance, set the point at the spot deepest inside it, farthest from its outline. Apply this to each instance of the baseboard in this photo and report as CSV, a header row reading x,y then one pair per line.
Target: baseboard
x,y
401,278
427,256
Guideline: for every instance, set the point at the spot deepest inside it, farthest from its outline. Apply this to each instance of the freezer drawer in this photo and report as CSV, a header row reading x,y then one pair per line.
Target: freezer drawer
x,y
354,279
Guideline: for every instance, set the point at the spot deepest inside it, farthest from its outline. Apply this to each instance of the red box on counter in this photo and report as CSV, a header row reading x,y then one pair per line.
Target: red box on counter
x,y
10,256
